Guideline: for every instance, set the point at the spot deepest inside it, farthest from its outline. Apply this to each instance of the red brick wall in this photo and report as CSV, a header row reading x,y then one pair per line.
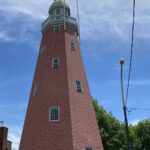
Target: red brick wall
x,y
3,138
38,132
9,145
77,127
84,124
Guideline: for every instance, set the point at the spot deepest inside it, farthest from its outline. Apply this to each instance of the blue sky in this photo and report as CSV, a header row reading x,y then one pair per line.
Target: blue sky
x,y
105,38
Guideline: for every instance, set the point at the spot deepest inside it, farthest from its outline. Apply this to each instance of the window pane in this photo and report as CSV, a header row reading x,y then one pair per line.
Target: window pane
x,y
78,84
72,46
42,49
58,11
55,66
89,148
54,114
57,28
55,62
66,12
79,87
36,89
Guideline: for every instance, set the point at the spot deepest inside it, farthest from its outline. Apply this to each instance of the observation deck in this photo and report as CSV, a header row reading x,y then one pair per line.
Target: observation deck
x,y
56,16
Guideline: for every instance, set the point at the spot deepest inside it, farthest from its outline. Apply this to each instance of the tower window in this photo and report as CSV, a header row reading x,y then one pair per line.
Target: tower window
x,y
36,89
66,12
42,49
52,12
55,62
89,148
72,46
79,86
57,11
57,28
58,18
54,114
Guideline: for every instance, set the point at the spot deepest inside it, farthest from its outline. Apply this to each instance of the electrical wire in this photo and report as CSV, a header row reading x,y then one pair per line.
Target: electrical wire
x,y
137,109
131,54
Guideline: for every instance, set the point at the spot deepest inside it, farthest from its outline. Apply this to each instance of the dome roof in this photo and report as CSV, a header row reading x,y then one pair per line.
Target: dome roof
x,y
58,4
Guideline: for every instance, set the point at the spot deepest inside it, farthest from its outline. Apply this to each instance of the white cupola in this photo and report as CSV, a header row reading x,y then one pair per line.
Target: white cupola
x,y
58,17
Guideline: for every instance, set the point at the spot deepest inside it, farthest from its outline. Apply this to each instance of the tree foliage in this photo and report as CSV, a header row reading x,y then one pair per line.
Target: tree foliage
x,y
113,132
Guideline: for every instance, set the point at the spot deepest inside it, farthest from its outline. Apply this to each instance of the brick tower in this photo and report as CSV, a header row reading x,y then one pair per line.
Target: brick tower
x,y
4,143
60,114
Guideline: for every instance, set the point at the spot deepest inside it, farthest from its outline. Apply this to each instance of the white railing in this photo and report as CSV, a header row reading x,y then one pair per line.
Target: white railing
x,y
58,18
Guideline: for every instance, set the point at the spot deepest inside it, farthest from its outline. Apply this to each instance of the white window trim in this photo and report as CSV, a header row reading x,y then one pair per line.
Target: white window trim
x,y
56,26
74,46
53,62
50,114
89,147
81,86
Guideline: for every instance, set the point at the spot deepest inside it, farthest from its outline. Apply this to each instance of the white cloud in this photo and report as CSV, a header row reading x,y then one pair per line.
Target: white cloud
x,y
14,135
113,18
140,82
32,9
134,122
5,37
117,67
99,19
3,108
7,82
132,83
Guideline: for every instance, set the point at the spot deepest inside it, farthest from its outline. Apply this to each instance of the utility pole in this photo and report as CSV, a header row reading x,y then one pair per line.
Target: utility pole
x,y
64,15
124,107
78,17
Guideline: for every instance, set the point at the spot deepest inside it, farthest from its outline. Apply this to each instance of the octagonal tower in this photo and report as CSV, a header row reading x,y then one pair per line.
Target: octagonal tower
x,y
60,113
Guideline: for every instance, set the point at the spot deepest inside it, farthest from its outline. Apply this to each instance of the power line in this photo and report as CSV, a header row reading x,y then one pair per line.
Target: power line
x,y
131,53
145,109
137,109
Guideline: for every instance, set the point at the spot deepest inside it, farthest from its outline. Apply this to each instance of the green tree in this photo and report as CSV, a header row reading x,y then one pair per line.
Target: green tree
x,y
114,135
143,133
112,132
135,140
